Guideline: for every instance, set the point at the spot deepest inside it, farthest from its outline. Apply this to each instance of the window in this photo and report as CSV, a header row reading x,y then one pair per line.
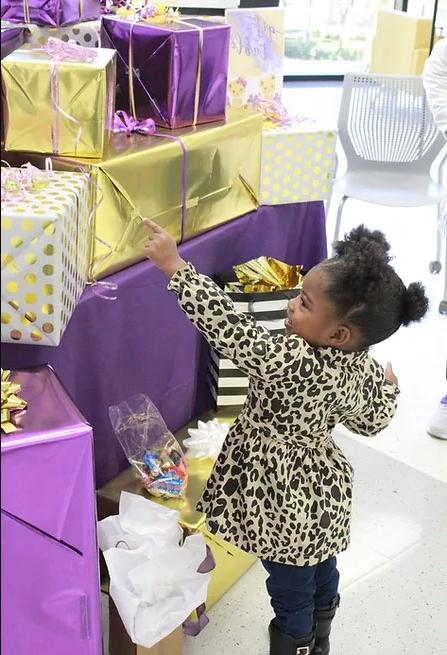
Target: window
x,y
330,37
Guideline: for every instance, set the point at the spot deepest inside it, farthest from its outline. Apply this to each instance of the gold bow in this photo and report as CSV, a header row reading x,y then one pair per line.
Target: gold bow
x,y
267,274
11,402
149,13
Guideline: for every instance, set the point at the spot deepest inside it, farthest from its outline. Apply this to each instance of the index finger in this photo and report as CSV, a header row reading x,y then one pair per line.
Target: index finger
x,y
153,226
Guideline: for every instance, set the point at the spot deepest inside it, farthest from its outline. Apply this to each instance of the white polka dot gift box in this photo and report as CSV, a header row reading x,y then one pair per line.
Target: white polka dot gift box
x,y
84,34
297,164
44,253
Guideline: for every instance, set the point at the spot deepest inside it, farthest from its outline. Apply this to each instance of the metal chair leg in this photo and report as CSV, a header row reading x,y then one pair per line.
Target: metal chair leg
x,y
435,265
338,220
443,303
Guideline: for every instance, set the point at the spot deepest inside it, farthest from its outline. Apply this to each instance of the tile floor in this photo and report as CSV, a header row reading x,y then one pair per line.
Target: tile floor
x,y
394,576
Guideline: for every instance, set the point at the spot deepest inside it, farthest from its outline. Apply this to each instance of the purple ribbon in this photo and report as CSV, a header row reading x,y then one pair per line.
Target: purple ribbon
x,y
190,627
122,122
193,628
59,51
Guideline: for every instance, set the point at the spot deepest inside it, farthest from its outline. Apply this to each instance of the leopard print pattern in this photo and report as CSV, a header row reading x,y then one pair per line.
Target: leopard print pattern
x,y
281,488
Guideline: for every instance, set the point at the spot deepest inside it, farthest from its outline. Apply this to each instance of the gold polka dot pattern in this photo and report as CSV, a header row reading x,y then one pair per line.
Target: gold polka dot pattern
x,y
84,34
297,165
45,250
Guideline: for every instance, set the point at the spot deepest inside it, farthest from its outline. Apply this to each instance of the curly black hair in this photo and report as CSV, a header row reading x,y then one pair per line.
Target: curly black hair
x,y
367,292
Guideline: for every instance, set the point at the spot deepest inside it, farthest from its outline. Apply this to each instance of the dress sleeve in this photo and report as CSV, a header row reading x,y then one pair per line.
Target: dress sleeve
x,y
379,403
233,335
435,83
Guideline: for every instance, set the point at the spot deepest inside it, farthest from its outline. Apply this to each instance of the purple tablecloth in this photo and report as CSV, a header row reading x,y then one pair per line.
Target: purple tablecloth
x,y
142,342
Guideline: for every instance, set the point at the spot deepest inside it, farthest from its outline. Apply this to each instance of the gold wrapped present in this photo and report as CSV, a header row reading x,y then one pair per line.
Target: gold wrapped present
x,y
59,106
11,402
142,176
231,562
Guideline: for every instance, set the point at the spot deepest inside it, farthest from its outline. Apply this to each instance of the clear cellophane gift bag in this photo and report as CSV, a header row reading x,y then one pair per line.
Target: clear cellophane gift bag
x,y
150,447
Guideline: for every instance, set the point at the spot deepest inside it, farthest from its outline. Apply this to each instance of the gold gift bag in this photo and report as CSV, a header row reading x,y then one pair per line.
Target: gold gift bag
x,y
63,107
142,176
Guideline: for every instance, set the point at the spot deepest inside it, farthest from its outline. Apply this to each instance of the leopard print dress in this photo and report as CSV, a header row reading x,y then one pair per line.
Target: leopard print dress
x,y
281,488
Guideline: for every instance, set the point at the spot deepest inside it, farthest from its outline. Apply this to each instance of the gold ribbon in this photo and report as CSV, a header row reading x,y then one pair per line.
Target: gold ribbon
x,y
199,66
267,274
11,402
26,16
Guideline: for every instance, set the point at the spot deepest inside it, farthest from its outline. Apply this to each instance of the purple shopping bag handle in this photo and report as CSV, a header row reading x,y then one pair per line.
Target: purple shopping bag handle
x,y
190,627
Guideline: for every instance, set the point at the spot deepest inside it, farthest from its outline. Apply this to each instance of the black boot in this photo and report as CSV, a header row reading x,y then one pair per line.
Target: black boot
x,y
323,620
281,644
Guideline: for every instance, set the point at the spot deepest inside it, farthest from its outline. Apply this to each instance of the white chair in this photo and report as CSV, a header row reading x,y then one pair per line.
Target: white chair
x,y
390,141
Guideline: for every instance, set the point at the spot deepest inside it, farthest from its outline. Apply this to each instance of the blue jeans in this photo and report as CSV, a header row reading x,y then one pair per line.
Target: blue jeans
x,y
296,591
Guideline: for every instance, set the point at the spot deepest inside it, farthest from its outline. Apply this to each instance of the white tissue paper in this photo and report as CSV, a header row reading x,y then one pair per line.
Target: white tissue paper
x,y
206,440
154,581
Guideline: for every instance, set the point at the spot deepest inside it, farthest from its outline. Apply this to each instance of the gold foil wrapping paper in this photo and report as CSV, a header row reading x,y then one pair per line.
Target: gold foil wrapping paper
x,y
267,274
69,112
141,176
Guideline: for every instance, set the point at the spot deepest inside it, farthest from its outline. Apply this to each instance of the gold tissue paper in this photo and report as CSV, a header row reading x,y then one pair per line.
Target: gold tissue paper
x,y
267,274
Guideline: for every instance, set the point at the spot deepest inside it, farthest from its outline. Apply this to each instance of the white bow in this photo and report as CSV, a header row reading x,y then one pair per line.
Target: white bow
x,y
206,440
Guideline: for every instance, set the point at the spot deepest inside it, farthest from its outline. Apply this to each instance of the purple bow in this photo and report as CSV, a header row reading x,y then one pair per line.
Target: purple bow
x,y
122,122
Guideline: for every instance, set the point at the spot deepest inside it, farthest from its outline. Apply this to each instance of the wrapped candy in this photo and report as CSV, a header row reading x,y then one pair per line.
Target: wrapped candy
x,y
206,440
150,447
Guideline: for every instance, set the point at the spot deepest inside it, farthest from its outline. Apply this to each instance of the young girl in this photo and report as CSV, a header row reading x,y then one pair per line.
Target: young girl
x,y
281,488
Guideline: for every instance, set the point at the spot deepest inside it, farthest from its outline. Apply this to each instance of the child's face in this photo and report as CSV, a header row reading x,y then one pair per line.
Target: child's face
x,y
312,316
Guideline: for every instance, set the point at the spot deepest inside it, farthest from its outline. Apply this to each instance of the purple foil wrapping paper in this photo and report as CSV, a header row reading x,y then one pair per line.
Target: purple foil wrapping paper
x,y
168,68
11,39
50,12
49,562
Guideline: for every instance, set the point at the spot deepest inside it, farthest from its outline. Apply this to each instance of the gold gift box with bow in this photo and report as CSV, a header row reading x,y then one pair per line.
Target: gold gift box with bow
x,y
141,176
61,107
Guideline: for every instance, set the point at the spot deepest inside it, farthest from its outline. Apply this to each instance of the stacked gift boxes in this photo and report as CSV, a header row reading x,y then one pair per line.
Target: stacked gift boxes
x,y
192,170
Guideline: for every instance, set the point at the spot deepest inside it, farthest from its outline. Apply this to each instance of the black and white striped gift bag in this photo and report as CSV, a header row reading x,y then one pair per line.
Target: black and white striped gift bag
x,y
228,384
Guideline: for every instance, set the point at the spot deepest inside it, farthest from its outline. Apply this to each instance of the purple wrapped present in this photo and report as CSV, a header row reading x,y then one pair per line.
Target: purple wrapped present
x,y
178,70
49,562
50,12
11,39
